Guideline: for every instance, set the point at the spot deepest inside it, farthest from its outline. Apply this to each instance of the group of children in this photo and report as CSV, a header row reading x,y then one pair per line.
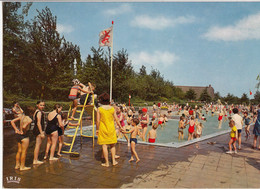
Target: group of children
x,y
136,125
194,130
56,123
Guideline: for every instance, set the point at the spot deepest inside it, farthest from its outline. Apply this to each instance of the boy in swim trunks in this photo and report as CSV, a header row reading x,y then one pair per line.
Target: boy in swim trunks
x,y
152,134
181,127
161,120
133,140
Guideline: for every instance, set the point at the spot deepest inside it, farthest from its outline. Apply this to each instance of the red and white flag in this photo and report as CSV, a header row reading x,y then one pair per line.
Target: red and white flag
x,y
106,37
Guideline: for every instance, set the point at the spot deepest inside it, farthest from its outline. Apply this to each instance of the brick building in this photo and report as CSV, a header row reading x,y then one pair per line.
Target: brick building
x,y
198,90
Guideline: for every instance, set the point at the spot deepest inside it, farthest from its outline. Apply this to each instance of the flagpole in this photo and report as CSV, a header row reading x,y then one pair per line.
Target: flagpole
x,y
111,69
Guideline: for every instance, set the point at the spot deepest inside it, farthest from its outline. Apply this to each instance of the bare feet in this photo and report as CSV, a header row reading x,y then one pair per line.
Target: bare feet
x,y
117,157
59,155
25,168
105,165
45,157
17,167
72,118
137,160
53,159
115,163
37,162
131,159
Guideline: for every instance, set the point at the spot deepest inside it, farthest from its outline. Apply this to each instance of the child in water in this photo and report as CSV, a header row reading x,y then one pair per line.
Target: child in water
x,y
160,120
181,127
152,134
199,127
191,128
133,140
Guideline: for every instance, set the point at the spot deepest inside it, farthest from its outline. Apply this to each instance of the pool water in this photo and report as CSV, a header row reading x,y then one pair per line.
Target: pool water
x,y
168,134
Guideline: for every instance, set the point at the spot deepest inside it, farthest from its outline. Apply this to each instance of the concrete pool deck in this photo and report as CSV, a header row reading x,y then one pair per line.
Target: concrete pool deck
x,y
199,165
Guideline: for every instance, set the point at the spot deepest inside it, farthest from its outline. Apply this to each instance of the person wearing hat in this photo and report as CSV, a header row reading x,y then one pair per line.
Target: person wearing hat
x,y
75,89
144,120
22,136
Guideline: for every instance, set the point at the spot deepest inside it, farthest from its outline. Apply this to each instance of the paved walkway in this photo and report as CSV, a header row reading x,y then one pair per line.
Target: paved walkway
x,y
200,165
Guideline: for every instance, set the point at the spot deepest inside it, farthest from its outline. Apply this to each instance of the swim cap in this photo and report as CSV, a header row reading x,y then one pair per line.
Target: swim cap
x,y
75,81
144,110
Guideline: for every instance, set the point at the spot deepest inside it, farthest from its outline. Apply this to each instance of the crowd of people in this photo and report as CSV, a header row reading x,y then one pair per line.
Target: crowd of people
x,y
118,120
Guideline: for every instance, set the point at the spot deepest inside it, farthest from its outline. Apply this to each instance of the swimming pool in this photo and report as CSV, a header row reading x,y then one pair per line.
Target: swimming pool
x,y
168,135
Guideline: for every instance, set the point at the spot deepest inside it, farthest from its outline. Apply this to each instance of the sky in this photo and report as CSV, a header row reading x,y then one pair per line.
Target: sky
x,y
190,43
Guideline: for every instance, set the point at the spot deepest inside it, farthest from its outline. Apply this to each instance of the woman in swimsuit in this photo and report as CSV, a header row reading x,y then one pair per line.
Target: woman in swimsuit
x,y
54,121
38,130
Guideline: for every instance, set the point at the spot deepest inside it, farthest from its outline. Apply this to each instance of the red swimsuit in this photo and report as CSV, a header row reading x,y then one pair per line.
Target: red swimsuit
x,y
191,128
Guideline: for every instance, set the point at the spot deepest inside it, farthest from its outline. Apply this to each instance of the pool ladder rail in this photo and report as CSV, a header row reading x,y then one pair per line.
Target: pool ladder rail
x,y
90,109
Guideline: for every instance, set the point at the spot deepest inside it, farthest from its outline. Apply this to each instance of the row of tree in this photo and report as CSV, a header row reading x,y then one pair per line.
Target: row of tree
x,y
39,62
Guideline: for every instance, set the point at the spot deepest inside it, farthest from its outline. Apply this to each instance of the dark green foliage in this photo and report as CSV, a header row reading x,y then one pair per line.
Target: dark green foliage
x,y
204,96
39,63
244,99
190,95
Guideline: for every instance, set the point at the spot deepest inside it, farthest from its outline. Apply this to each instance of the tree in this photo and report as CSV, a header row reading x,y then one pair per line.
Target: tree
x,y
143,71
258,79
216,96
51,58
244,99
190,94
15,51
204,96
231,99
257,97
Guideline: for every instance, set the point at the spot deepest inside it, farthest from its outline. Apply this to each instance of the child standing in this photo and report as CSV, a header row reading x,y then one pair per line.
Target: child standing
x,y
256,130
247,125
61,130
233,137
74,95
239,124
54,122
133,140
181,127
199,127
38,130
152,134
22,138
191,128
144,122
220,117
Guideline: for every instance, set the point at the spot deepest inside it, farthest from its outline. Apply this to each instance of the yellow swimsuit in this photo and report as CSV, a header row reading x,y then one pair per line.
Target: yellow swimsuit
x,y
107,131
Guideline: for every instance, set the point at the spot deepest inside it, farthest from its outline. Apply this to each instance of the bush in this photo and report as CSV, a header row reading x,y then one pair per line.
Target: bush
x,y
29,106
